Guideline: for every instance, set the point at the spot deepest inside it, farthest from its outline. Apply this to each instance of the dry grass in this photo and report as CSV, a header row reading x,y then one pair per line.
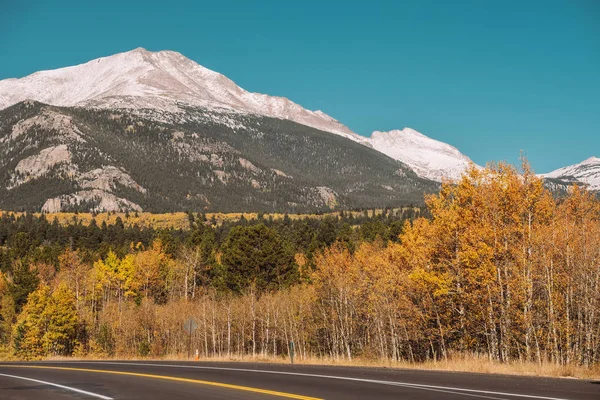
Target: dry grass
x,y
175,220
473,363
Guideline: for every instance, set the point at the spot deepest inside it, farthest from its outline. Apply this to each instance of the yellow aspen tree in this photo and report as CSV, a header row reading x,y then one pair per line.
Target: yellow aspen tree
x,y
148,265
29,330
74,273
60,336
335,280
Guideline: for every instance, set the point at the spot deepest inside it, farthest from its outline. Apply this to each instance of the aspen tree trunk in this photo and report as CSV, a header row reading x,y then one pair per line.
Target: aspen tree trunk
x,y
204,317
229,329
440,330
345,324
568,326
185,284
194,285
551,313
381,339
393,336
459,293
493,334
253,313
265,338
214,327
501,301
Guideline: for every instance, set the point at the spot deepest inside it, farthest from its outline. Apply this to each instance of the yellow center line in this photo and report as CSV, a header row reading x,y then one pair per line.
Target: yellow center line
x,y
171,378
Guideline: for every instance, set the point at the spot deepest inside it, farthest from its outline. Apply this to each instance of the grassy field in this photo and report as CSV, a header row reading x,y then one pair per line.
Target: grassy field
x,y
175,220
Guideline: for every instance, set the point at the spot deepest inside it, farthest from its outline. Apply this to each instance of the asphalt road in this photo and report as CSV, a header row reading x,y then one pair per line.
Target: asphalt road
x,y
177,380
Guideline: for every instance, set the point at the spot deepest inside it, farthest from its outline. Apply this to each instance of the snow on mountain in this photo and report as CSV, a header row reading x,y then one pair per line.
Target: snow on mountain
x,y
428,157
586,172
159,80
164,80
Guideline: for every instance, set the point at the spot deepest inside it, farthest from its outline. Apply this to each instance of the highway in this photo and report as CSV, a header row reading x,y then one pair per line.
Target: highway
x,y
117,380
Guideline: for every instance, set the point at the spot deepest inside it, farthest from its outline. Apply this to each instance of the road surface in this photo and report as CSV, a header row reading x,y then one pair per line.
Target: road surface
x,y
117,380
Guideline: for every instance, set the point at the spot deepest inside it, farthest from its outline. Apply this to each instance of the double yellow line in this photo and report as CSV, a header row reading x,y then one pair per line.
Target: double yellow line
x,y
170,378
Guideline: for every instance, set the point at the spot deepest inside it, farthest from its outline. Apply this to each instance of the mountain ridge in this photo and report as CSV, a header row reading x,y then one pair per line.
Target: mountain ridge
x,y
86,159
168,87
585,173
144,79
163,80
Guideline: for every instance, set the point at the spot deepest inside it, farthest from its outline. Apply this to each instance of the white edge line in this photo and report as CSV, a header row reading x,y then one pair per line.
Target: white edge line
x,y
414,385
481,396
466,391
72,389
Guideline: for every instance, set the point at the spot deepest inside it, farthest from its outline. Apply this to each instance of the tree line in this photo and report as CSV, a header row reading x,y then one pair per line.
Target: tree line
x,y
123,262
495,266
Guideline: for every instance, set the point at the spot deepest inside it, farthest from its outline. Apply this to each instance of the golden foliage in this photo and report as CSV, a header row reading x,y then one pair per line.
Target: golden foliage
x,y
501,270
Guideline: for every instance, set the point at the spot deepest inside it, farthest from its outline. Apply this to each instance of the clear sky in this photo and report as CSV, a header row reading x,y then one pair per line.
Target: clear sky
x,y
490,77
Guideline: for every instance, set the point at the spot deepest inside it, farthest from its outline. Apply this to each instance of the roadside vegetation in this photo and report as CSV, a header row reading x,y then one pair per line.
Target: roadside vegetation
x,y
496,275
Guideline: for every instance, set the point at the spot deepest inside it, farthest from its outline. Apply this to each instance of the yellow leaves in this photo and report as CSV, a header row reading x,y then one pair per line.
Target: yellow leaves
x,y
368,273
62,322
438,284
300,259
336,275
3,284
416,243
475,255
119,275
303,265
127,276
140,273
478,242
104,271
28,331
580,204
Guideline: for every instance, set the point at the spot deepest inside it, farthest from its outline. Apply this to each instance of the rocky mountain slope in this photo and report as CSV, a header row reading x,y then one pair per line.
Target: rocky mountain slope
x,y
79,158
586,174
165,80
159,132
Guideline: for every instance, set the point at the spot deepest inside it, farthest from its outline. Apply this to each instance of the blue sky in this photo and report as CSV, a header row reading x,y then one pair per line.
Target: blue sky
x,y
490,77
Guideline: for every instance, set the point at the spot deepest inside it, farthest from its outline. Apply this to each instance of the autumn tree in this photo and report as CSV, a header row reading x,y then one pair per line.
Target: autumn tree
x,y
29,330
60,314
47,325
74,272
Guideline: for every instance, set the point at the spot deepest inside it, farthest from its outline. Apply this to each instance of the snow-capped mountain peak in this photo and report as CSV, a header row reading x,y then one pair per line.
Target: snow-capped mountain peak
x,y
428,157
586,173
143,79
591,161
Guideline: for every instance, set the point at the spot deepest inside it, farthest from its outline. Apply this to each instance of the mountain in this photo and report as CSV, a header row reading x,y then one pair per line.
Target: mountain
x,y
166,81
156,131
194,158
429,158
140,79
586,173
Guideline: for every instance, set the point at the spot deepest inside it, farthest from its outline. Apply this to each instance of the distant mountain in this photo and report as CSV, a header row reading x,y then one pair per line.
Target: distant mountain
x,y
429,158
586,174
161,80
